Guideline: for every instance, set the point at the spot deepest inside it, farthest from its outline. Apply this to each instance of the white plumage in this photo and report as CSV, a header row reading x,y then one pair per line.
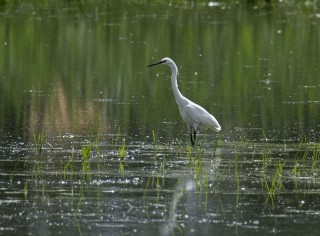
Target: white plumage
x,y
194,115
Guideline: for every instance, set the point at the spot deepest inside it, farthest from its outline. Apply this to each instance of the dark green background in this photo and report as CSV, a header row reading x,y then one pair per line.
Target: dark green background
x,y
81,68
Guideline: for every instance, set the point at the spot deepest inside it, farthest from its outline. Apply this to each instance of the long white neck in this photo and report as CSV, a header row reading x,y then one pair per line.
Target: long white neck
x,y
174,74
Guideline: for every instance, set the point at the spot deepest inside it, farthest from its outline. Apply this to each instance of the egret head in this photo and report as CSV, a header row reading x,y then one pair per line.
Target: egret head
x,y
165,61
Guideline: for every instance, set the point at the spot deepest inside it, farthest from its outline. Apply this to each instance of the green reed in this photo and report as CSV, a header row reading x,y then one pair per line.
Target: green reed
x,y
236,173
122,150
315,157
98,151
122,155
274,185
38,142
69,166
116,140
86,154
163,169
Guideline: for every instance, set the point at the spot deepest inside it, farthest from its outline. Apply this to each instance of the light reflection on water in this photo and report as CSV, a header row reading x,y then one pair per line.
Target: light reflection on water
x,y
162,189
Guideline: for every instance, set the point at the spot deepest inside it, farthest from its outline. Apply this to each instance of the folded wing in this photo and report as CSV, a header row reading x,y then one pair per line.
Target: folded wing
x,y
198,117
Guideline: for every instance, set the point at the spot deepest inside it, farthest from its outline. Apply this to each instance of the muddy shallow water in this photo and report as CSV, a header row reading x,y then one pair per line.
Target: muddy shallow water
x,y
228,188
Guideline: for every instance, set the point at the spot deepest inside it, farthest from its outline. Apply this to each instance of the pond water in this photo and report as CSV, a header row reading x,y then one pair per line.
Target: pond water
x,y
91,141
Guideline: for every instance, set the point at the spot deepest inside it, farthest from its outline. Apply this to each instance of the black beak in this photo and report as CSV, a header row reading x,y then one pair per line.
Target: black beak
x,y
157,63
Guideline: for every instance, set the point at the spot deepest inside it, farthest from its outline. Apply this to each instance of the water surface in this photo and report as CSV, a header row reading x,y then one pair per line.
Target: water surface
x,y
91,139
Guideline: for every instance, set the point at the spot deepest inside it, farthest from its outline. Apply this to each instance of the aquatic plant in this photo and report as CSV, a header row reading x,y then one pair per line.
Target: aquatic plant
x,y
37,172
86,154
157,181
275,186
236,173
180,149
122,150
265,162
315,157
146,187
38,142
116,140
217,144
206,189
81,198
122,154
68,166
11,179
98,152
162,171
265,139
296,173
78,226
121,168
190,155
198,168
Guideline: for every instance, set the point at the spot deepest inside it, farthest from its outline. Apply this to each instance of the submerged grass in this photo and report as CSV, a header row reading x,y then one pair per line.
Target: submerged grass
x,y
69,166
122,150
98,151
122,155
272,171
86,154
38,142
275,186
236,173
218,144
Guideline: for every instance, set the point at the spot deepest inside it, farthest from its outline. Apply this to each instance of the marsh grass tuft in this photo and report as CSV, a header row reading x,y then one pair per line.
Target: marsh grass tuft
x,y
98,151
146,187
190,156
157,181
38,141
69,166
81,198
265,139
122,150
315,157
121,168
116,140
86,154
236,173
274,184
206,189
162,170
122,155
198,166
296,172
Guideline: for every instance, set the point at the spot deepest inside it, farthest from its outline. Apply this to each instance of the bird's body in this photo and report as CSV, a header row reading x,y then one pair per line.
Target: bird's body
x,y
194,115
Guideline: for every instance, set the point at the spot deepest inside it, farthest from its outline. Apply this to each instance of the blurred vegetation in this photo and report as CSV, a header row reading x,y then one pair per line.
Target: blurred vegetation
x,y
79,65
84,5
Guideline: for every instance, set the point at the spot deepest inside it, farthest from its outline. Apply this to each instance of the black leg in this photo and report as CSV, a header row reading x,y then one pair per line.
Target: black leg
x,y
194,136
192,141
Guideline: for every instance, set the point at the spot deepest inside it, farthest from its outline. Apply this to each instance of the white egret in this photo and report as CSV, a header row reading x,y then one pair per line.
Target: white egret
x,y
194,115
